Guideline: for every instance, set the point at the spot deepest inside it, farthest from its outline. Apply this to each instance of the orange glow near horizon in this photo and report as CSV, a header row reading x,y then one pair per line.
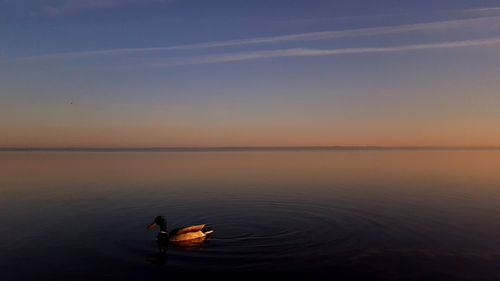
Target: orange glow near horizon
x,y
225,137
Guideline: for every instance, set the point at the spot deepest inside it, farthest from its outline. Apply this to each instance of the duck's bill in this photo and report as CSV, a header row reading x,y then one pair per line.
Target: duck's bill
x,y
151,225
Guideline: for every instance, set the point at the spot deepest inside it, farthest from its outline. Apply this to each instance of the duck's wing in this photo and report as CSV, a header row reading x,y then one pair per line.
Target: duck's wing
x,y
193,228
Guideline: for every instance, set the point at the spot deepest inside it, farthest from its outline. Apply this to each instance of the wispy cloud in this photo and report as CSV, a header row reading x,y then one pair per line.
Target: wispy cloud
x,y
311,36
484,9
303,52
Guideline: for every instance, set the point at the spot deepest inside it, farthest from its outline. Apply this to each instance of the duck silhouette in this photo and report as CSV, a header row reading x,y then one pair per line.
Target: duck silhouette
x,y
182,236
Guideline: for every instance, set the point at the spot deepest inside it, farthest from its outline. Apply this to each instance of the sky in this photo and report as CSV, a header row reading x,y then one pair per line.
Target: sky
x,y
149,73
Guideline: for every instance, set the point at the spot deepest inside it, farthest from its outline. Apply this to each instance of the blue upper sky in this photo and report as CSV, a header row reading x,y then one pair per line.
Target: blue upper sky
x,y
235,72
43,26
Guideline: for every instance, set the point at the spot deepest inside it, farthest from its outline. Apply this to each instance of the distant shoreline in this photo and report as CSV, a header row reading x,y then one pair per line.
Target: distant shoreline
x,y
241,148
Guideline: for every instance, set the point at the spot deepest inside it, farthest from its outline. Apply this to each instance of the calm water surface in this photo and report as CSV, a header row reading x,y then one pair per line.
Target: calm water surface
x,y
367,215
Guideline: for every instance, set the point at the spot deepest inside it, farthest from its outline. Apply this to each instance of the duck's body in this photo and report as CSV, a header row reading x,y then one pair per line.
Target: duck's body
x,y
189,233
180,236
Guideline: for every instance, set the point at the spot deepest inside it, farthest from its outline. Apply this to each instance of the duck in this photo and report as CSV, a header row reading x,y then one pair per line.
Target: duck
x,y
187,235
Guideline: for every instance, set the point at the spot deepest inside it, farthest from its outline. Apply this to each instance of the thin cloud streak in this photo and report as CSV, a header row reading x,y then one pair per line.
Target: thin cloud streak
x,y
303,52
311,36
484,9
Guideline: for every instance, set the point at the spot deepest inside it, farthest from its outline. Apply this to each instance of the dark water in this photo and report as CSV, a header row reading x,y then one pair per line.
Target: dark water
x,y
348,215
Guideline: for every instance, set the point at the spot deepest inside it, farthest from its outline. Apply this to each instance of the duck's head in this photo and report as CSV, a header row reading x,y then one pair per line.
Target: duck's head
x,y
158,221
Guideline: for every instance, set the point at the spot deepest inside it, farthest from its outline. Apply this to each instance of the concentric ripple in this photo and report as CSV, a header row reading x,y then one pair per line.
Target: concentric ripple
x,y
271,234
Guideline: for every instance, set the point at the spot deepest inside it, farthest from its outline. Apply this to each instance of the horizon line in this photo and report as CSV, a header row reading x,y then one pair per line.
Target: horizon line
x,y
241,148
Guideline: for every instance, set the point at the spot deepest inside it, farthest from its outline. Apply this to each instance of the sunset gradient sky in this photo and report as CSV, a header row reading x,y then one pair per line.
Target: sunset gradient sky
x,y
122,73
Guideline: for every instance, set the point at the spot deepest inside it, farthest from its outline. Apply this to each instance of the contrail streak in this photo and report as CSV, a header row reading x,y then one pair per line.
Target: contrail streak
x,y
311,36
304,52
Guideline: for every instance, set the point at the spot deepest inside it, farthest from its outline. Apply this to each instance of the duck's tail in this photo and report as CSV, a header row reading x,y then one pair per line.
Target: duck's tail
x,y
207,230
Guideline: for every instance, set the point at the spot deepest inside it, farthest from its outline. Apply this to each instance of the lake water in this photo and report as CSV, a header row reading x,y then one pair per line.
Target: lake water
x,y
367,215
